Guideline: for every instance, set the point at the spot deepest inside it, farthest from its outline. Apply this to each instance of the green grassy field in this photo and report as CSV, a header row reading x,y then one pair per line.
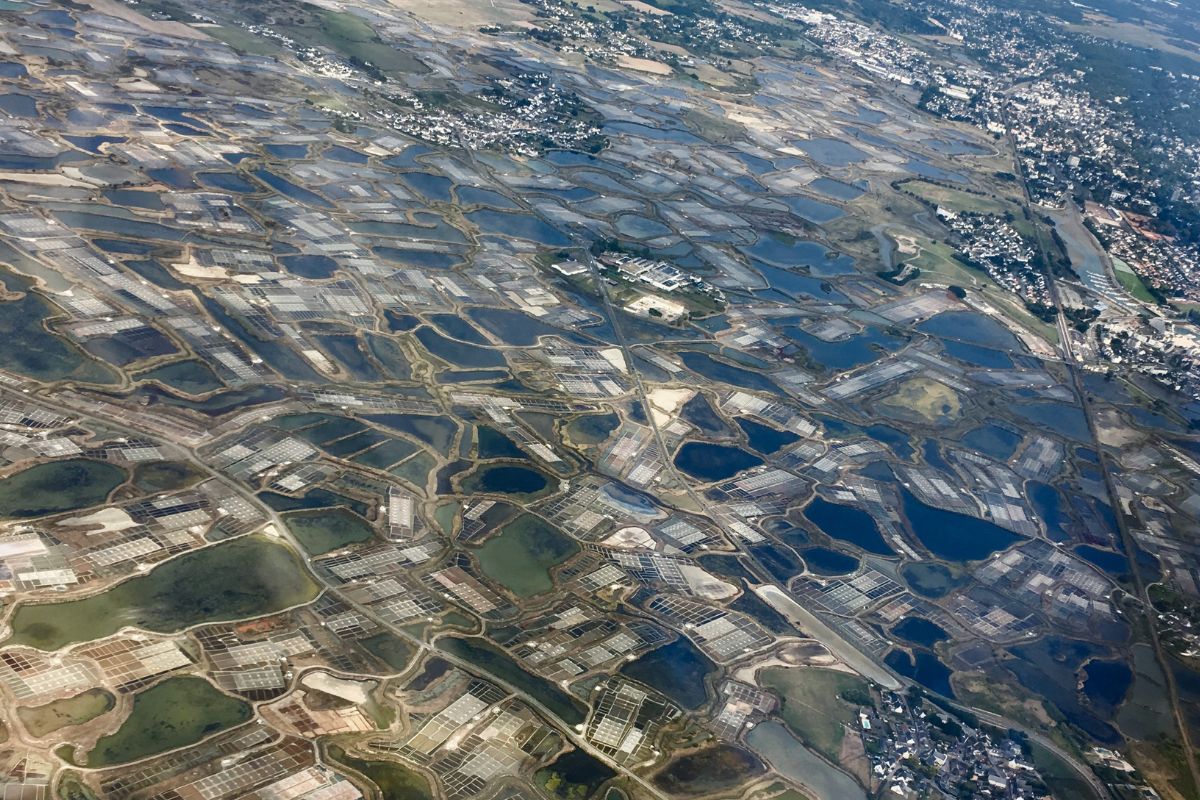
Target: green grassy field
x,y
243,40
812,705
957,200
1130,281
937,263
1059,777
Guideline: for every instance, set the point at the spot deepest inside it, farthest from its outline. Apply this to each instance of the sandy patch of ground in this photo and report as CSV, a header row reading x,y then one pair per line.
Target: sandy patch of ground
x,y
630,538
465,13
124,12
616,357
931,400
42,179
706,585
194,269
357,692
318,360
108,520
665,403
809,653
648,303
1112,430
643,65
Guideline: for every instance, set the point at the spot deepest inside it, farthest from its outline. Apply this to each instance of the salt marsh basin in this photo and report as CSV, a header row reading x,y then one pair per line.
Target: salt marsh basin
x,y
245,577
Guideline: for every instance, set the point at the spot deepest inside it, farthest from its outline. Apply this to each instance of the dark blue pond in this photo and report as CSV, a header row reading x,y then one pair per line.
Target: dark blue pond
x,y
512,327
824,561
509,480
700,413
846,353
434,187
978,356
55,18
227,181
714,462
186,130
345,155
346,351
92,144
171,114
795,283
836,189
570,158
175,177
400,323
124,246
472,196
458,328
748,184
291,190
472,375
134,198
878,471
812,210
709,367
494,444
757,165
994,441
287,151
932,453
19,105
119,226
921,631
313,266
1113,564
458,353
408,156
954,537
524,226
677,670
1068,420
1052,664
927,670
971,327
764,438
898,440
831,152
847,524
428,259
930,171
1105,684
1048,502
